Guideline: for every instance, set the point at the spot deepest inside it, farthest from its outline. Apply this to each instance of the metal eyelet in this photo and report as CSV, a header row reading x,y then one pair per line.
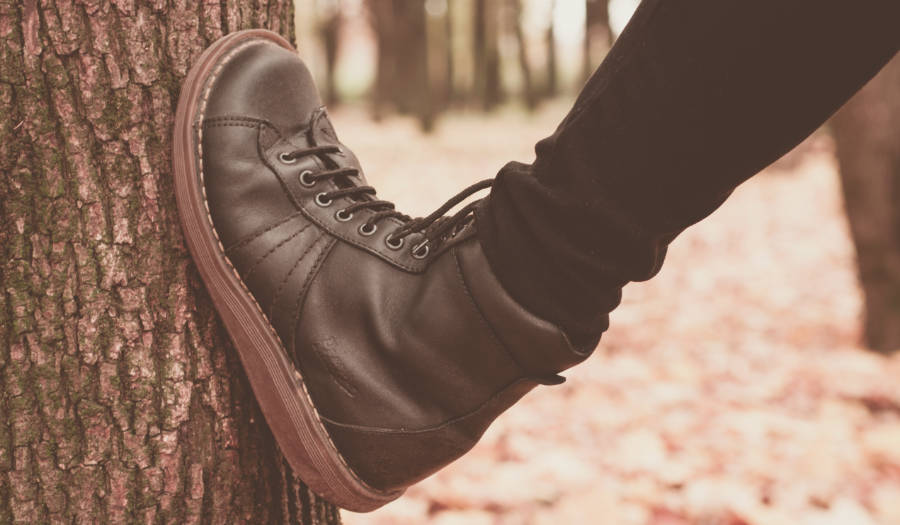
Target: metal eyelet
x,y
394,244
420,251
366,232
309,183
323,200
343,216
287,158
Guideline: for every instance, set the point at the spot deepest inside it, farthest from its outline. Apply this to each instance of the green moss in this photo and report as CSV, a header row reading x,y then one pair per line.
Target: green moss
x,y
55,72
118,111
12,69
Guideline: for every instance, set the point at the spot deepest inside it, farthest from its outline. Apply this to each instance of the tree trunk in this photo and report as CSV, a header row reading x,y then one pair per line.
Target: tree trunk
x,y
867,133
597,34
528,91
402,70
486,54
329,29
551,86
439,54
449,57
121,399
383,26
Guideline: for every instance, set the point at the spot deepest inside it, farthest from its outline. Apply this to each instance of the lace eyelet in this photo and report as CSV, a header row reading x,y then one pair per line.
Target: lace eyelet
x,y
420,251
323,200
366,232
286,158
394,244
304,180
343,216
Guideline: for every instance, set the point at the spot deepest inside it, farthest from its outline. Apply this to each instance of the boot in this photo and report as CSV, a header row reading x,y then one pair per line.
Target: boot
x,y
378,346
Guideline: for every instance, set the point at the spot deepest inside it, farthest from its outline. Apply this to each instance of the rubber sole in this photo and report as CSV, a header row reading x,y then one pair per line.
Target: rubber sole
x,y
277,384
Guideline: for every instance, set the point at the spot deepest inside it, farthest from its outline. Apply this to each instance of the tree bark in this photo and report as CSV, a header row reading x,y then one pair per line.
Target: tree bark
x,y
867,134
121,399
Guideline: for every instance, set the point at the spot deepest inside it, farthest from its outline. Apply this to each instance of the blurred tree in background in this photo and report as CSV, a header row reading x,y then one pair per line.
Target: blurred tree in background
x,y
423,57
402,78
598,37
867,133
329,32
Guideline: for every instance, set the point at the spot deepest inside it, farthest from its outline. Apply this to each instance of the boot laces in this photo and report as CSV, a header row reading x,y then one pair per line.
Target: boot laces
x,y
435,228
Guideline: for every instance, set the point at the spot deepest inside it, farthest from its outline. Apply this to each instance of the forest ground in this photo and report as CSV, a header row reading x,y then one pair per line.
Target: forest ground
x,y
731,389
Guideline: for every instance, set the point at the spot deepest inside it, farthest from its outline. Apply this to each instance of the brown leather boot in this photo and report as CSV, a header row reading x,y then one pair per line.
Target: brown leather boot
x,y
379,347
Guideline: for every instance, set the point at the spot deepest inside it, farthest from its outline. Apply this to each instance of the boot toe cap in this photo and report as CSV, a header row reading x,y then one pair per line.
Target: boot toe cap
x,y
265,81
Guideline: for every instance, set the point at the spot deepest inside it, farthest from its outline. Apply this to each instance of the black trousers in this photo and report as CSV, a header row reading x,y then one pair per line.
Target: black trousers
x,y
695,97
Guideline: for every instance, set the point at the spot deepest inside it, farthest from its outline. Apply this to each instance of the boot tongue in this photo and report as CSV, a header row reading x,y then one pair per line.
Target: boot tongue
x,y
322,134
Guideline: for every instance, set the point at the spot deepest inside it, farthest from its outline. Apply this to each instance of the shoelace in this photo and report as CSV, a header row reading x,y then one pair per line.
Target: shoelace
x,y
435,227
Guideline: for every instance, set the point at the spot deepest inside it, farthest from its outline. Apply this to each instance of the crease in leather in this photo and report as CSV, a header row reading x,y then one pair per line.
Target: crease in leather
x,y
389,460
494,335
259,249
438,426
287,277
264,282
284,306
262,231
541,344
237,187
304,289
445,372
259,260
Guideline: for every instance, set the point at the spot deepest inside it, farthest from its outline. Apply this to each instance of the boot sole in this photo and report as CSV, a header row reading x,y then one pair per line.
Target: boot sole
x,y
277,384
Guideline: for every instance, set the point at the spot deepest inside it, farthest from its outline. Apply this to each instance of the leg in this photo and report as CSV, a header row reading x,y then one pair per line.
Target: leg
x,y
694,98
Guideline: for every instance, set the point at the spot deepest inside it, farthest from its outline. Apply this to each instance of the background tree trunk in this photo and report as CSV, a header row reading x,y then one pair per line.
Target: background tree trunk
x,y
329,29
598,36
385,64
551,84
402,69
486,54
449,57
121,399
867,133
529,93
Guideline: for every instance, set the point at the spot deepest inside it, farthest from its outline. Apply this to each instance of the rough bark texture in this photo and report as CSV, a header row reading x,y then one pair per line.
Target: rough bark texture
x,y
867,133
121,399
